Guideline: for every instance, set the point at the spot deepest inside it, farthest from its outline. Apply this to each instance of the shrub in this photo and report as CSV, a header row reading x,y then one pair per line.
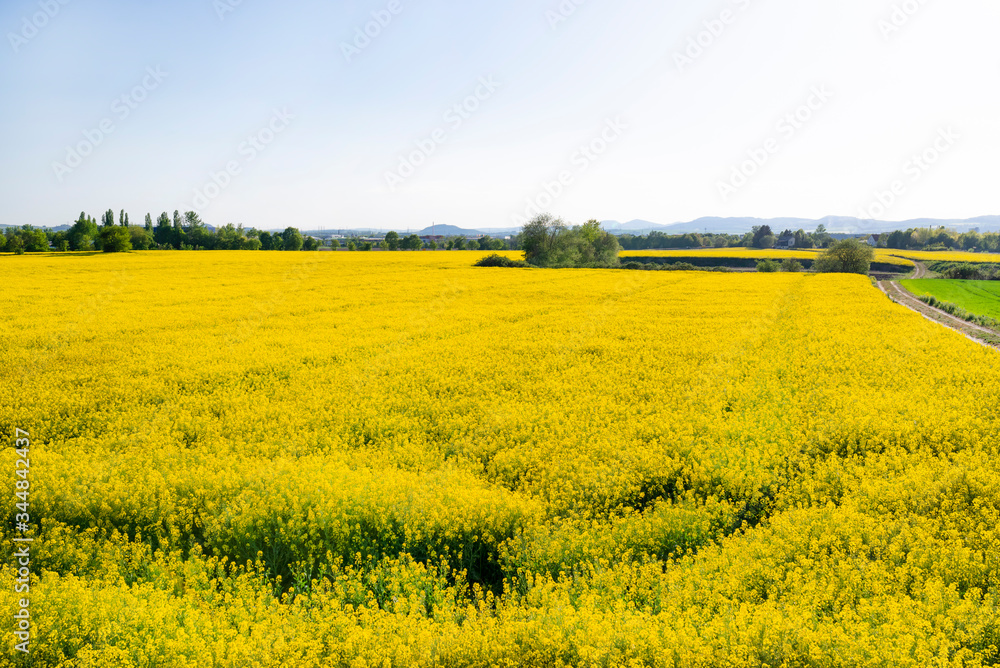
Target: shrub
x,y
633,265
791,265
966,272
682,266
495,260
767,266
115,239
850,256
549,242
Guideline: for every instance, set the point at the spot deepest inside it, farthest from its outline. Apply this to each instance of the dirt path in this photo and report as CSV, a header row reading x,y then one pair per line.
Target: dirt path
x,y
974,332
920,271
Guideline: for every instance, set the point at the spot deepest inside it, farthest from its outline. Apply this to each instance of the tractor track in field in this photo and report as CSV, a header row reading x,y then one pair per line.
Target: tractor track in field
x,y
901,296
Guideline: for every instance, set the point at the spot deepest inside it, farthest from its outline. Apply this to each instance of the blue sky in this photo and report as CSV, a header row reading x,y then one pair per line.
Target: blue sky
x,y
258,114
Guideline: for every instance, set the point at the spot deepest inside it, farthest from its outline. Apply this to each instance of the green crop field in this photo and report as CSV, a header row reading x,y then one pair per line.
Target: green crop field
x,y
979,297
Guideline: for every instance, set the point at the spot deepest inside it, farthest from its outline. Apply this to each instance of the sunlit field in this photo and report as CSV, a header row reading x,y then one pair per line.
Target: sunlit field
x,y
741,253
977,297
397,459
735,252
941,256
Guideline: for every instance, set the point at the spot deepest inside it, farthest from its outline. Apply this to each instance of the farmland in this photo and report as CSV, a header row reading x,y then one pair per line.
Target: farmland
x,y
748,257
359,459
940,256
978,297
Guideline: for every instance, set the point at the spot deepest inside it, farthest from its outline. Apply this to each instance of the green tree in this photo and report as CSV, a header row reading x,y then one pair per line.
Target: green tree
x,y
149,224
310,244
763,237
543,240
115,239
81,236
791,265
351,246
15,245
850,256
192,219
392,241
198,234
767,266
334,244
108,220
292,239
230,237
140,238
597,247
162,234
413,242
35,241
548,242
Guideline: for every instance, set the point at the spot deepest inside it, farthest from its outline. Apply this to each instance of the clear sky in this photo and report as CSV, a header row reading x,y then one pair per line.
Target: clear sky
x,y
304,120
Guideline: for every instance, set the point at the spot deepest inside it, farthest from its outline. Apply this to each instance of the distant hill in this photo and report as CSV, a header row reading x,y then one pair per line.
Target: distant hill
x,y
58,228
838,224
448,231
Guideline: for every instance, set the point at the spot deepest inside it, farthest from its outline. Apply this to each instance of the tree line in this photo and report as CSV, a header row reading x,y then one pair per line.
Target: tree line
x,y
189,232
760,236
941,238
764,237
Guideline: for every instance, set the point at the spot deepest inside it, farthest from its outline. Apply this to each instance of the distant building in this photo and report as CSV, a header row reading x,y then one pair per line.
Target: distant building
x,y
872,240
786,242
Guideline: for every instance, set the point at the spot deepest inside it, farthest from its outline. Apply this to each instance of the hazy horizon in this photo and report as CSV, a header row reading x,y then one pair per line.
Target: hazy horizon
x,y
272,116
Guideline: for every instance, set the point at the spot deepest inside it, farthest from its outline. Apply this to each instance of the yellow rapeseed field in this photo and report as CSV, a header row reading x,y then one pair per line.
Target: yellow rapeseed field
x,y
881,255
939,256
884,255
397,459
734,252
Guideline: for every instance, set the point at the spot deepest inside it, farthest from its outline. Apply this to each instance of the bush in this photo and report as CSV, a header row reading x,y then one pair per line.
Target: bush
x,y
548,242
633,265
850,256
767,266
115,239
967,272
495,260
791,265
